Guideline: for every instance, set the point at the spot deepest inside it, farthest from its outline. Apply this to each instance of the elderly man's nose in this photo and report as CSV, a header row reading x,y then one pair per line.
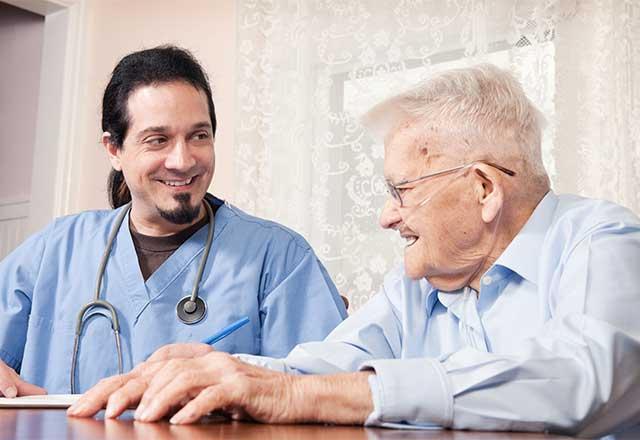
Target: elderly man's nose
x,y
390,215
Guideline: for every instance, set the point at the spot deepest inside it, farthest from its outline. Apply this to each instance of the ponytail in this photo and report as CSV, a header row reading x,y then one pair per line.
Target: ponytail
x,y
118,190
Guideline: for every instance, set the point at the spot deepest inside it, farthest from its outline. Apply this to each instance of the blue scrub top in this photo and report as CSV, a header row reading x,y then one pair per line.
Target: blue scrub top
x,y
256,268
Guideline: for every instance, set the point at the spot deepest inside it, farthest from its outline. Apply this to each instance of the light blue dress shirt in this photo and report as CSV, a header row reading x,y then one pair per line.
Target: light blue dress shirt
x,y
552,341
256,268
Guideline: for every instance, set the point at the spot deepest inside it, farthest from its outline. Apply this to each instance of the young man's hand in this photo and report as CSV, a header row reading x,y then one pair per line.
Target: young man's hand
x,y
12,385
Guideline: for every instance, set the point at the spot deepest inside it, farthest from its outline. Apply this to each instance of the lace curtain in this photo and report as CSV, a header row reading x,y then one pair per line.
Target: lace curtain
x,y
307,69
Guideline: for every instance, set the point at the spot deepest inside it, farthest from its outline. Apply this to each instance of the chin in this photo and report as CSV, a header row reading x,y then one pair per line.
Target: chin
x,y
415,264
176,200
413,272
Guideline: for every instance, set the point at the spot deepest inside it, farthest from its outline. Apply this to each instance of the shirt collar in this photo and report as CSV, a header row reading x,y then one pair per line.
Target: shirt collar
x,y
522,256
432,295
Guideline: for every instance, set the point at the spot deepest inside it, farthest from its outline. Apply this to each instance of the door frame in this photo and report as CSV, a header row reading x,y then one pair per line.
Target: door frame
x,y
61,72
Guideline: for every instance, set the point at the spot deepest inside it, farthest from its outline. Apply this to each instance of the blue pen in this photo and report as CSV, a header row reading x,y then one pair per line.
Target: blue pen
x,y
226,331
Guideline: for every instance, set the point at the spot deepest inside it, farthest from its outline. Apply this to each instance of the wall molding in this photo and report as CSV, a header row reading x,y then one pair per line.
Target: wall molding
x,y
40,7
14,210
14,216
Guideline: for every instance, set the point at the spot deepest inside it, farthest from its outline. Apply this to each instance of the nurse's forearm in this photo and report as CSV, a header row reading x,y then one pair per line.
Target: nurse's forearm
x,y
339,398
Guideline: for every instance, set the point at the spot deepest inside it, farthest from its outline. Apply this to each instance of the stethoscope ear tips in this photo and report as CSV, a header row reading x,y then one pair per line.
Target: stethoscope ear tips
x,y
191,312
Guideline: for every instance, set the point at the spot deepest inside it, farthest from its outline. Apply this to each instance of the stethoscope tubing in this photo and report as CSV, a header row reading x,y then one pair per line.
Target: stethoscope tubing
x,y
199,305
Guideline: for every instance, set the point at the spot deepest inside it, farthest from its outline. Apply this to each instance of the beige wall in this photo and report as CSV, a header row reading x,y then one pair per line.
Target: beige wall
x,y
114,28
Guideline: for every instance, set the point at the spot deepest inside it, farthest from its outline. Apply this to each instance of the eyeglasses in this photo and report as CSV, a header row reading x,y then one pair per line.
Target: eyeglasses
x,y
394,189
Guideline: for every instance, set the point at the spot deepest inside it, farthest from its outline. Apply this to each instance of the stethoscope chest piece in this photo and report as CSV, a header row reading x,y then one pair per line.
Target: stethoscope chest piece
x,y
191,311
192,308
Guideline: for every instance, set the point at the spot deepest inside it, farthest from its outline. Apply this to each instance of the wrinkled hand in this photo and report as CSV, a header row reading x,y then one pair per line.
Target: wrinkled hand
x,y
12,385
216,381
180,351
117,393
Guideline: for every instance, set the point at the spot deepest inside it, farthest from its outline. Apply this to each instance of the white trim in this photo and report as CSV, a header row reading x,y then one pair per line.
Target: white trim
x,y
62,60
14,210
40,7
69,108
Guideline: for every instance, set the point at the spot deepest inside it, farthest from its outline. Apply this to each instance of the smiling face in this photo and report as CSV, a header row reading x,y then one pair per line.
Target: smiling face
x,y
447,240
167,156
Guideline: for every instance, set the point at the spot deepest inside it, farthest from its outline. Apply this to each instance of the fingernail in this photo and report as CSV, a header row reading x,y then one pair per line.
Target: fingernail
x,y
76,409
177,419
110,412
11,392
145,414
139,410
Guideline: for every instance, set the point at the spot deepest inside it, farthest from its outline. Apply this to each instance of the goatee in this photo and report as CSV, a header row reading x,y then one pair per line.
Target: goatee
x,y
184,213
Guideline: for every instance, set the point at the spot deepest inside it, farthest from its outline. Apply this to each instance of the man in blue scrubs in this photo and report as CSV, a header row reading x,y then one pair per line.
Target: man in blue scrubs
x,y
515,308
159,125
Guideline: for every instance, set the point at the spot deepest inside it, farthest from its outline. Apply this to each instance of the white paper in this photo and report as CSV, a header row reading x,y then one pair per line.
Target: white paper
x,y
46,401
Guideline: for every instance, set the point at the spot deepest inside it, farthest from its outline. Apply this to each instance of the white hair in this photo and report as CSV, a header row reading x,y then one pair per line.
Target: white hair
x,y
482,103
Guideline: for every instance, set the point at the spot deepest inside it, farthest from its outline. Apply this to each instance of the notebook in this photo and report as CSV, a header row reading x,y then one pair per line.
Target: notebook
x,y
46,401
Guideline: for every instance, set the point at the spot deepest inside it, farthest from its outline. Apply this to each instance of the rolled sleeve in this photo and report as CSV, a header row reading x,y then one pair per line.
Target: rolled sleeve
x,y
412,391
304,306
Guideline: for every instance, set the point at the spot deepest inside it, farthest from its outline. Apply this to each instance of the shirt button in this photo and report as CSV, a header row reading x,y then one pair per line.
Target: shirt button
x,y
487,280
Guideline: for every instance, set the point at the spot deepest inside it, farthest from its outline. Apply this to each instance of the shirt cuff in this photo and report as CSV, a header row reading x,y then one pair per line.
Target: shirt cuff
x,y
263,361
413,391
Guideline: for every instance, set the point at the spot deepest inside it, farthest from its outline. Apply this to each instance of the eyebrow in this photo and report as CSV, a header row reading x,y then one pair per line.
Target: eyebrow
x,y
152,129
164,128
199,125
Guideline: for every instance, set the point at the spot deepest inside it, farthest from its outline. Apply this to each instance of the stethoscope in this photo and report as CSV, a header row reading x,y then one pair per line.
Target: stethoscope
x,y
190,309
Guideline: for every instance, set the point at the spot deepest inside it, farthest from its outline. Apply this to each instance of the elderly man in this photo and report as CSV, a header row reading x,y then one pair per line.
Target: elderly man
x,y
515,308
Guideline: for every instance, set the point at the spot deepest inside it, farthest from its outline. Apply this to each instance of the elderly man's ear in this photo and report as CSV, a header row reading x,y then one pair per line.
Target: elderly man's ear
x,y
112,151
489,193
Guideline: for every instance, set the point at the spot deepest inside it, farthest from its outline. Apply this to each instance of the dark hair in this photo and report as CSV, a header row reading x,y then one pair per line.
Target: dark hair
x,y
160,64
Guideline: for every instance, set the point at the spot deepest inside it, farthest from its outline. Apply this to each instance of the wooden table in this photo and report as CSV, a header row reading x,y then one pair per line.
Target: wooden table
x,y
54,424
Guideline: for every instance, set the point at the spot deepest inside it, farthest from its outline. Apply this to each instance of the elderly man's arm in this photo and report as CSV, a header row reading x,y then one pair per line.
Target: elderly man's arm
x,y
218,381
373,332
254,393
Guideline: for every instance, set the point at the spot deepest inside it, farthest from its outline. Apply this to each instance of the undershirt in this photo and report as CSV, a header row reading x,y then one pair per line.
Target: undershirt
x,y
153,251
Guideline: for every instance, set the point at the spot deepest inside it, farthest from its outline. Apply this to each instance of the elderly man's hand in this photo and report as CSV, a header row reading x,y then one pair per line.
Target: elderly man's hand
x,y
117,393
221,382
180,351
214,381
